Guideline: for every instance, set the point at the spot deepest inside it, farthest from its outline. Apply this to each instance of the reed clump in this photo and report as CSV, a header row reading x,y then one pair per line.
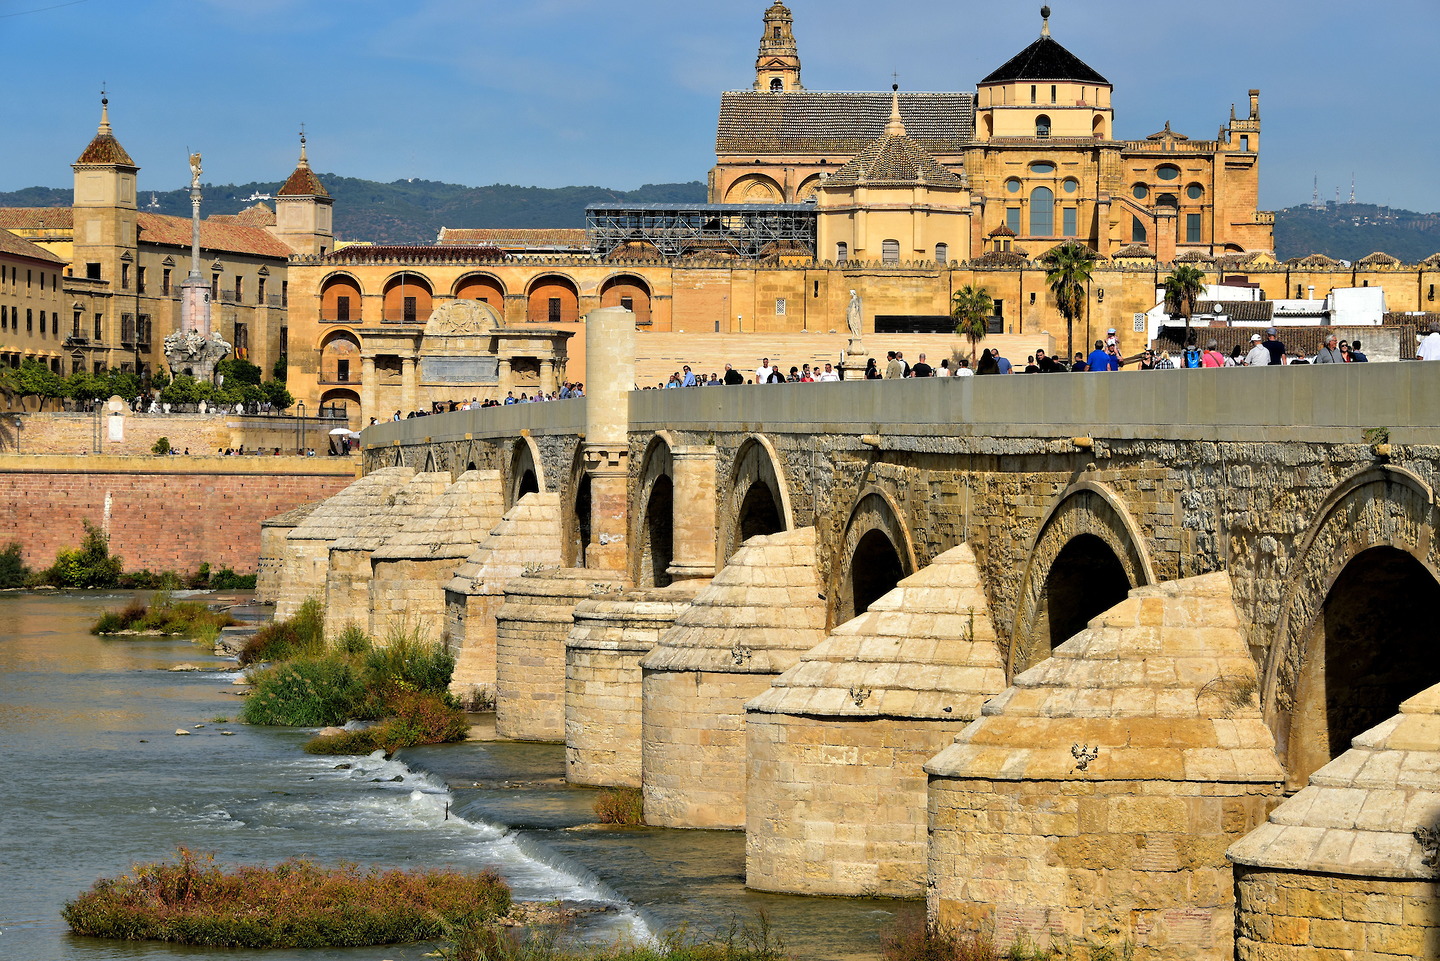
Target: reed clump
x,y
165,615
479,940
296,904
620,805
401,685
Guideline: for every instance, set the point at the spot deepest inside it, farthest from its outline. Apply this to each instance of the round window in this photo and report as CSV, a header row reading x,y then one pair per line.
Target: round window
x,y
1140,191
1168,172
1042,168
1071,186
1013,186
1194,191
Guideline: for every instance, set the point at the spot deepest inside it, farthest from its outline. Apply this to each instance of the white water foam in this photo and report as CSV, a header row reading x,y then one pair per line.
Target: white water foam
x,y
398,798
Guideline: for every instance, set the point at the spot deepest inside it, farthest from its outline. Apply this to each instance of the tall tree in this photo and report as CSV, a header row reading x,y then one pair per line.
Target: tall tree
x,y
1067,270
971,307
1183,290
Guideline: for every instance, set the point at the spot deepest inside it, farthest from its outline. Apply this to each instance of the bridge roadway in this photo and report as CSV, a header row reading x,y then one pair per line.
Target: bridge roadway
x,y
1041,649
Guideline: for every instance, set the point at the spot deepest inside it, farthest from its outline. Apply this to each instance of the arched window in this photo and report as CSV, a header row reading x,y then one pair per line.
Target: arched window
x,y
890,251
777,85
942,253
842,253
1042,212
1042,126
1138,234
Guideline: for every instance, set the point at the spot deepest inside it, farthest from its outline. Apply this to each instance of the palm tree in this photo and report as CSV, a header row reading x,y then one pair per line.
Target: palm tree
x,y
971,307
1067,271
1183,289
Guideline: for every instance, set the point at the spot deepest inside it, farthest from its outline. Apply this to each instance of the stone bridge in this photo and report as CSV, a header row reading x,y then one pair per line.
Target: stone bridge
x,y
1040,649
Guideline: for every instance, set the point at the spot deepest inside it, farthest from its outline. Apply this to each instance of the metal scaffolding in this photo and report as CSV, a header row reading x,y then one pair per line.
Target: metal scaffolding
x,y
678,230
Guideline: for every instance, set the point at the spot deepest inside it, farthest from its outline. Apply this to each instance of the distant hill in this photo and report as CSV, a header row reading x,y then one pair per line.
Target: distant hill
x,y
1352,231
413,211
406,211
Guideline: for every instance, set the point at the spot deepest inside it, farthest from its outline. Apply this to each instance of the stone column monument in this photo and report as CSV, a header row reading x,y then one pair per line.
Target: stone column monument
x,y
610,362
195,349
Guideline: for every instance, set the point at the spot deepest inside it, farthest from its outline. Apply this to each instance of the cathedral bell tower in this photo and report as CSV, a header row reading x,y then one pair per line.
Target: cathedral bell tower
x,y
105,209
777,69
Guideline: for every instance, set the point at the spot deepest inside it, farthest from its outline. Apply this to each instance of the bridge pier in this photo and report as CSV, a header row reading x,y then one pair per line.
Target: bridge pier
x,y
835,799
603,680
752,622
1094,799
527,536
410,570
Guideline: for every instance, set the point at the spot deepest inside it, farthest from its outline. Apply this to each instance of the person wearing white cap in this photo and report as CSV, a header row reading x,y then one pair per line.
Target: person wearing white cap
x,y
1110,339
1258,356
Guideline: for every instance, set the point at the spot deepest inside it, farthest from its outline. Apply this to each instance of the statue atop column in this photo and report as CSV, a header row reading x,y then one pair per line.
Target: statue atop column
x,y
195,171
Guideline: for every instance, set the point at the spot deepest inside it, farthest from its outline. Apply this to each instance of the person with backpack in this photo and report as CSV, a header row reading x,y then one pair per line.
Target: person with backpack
x,y
1193,358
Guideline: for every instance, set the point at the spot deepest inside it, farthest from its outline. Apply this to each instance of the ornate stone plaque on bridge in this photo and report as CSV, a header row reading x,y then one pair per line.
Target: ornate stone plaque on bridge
x,y
462,370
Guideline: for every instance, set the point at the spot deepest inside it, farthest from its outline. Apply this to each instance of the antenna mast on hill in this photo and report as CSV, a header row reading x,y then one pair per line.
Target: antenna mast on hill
x,y
1315,200
1352,186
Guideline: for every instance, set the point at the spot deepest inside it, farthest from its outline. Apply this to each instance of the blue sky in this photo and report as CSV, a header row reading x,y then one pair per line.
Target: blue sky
x,y
559,92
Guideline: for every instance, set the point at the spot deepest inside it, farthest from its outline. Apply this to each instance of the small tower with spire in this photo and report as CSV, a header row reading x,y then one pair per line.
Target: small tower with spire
x,y
777,69
105,209
304,210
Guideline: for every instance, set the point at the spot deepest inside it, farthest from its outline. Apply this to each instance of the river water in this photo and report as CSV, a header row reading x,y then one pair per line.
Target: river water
x,y
95,779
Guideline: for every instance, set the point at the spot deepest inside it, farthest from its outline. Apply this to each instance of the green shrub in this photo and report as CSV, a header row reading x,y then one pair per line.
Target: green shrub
x,y
301,636
316,692
227,580
353,641
146,580
407,660
411,718
88,566
620,805
350,742
915,940
161,447
291,905
164,616
13,572
113,622
480,939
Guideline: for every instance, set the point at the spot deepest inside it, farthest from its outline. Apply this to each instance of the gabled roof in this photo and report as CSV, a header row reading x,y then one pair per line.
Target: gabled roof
x,y
1378,259
516,238
896,159
838,124
1045,59
20,247
220,236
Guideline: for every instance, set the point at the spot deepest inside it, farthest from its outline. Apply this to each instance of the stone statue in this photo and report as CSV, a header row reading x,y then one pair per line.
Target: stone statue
x,y
855,315
195,170
191,352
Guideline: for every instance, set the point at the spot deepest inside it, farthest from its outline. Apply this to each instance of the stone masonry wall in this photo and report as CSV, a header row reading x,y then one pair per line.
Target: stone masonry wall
x,y
1286,916
159,515
852,789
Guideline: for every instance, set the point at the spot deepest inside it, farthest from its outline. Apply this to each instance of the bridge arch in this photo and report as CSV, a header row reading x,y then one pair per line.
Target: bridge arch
x,y
527,472
877,553
759,500
575,504
1356,606
654,548
1087,555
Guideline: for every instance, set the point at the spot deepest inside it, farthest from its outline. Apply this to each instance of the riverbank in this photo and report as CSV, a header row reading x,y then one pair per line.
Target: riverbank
x,y
102,782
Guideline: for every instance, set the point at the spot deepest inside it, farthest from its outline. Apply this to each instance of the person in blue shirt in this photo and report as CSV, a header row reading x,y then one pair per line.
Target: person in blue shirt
x,y
1102,359
1005,366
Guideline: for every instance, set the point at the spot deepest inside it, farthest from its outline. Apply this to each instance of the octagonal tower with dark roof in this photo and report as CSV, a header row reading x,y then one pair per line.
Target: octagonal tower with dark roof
x,y
1044,92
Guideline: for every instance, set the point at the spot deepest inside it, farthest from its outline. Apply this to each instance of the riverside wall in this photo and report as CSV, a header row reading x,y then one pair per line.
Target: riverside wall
x,y
162,513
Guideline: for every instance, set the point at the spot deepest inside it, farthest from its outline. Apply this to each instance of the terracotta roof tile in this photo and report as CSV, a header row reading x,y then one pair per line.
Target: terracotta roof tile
x,y
515,238
1135,252
256,216
19,247
37,218
105,150
232,238
361,254
896,159
839,125
1378,259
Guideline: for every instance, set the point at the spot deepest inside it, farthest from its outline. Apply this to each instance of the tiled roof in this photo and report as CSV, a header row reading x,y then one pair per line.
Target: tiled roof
x,y
1135,252
413,253
895,159
1194,257
515,238
37,218
256,216
106,150
1001,231
19,247
232,238
1378,259
1432,261
229,235
1240,311
1003,258
1318,260
838,124
1045,59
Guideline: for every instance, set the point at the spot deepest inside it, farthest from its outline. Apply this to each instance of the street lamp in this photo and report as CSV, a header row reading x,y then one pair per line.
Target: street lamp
x,y
19,425
301,426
